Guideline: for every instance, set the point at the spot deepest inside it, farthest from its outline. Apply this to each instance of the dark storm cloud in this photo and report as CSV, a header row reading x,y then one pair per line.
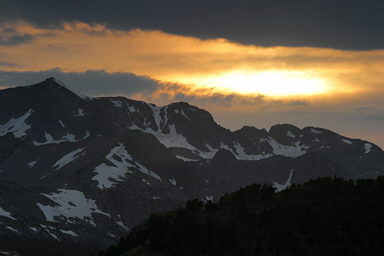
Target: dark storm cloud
x,y
92,83
353,24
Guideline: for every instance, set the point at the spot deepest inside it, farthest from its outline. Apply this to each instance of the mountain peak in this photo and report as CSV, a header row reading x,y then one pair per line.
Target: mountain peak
x,y
283,127
251,130
50,79
223,155
52,82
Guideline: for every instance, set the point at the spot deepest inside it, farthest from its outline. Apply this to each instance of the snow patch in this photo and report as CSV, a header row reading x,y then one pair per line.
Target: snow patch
x,y
6,214
172,139
291,135
146,171
185,159
346,141
316,131
108,175
287,184
61,123
131,108
31,164
17,126
70,157
145,181
288,151
121,224
33,229
182,112
367,148
208,154
242,155
13,229
51,234
87,134
71,205
68,232
117,103
156,115
172,181
226,147
66,138
80,113
240,152
208,198
165,120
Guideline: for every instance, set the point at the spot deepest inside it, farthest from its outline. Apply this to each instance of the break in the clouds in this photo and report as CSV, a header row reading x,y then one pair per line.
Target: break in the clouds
x,y
353,24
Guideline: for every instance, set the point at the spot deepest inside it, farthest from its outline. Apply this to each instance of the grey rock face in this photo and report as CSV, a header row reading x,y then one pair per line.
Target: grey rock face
x,y
86,169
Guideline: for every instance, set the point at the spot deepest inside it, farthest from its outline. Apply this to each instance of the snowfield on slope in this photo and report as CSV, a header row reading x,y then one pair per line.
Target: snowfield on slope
x,y
109,175
287,184
66,138
68,158
70,204
6,214
17,126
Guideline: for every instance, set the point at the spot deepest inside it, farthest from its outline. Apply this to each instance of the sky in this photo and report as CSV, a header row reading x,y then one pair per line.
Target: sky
x,y
307,63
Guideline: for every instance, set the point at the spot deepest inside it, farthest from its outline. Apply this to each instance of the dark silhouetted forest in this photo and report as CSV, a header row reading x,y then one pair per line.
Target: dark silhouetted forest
x,y
326,216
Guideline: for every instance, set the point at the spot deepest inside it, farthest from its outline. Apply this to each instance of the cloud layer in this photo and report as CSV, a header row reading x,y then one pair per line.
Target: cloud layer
x,y
80,47
92,83
160,68
352,24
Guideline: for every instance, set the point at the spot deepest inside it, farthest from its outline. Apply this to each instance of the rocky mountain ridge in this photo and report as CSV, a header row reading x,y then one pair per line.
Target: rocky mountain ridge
x,y
79,168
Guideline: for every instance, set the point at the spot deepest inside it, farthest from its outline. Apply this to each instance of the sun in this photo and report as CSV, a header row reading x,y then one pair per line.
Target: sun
x,y
274,83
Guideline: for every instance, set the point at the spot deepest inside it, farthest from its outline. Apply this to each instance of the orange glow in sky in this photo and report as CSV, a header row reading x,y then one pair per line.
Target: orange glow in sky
x,y
217,74
216,65
274,83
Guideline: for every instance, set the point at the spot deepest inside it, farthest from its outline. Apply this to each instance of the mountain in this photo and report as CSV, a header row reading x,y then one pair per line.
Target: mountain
x,y
76,169
321,217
